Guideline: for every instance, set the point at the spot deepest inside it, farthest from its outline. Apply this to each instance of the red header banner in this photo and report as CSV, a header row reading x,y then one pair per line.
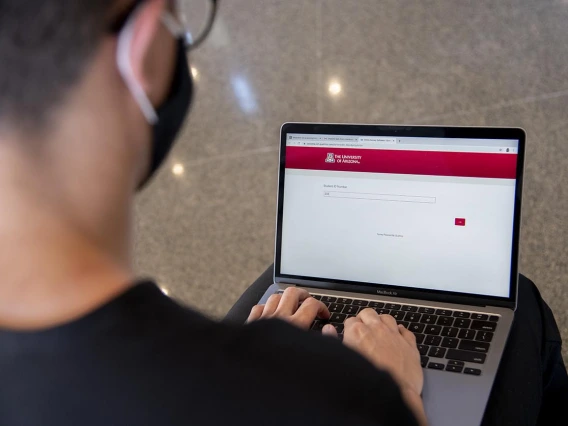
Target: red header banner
x,y
430,163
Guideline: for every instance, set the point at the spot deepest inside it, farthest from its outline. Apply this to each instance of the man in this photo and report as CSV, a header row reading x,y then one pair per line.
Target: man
x,y
92,94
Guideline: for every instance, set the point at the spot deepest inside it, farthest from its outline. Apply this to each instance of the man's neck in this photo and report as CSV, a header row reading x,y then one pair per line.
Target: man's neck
x,y
51,279
59,260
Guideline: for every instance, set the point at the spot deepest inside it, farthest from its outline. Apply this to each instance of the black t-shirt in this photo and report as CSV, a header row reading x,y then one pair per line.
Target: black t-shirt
x,y
142,359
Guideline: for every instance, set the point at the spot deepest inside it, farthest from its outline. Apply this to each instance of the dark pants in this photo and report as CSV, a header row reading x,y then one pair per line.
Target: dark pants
x,y
531,386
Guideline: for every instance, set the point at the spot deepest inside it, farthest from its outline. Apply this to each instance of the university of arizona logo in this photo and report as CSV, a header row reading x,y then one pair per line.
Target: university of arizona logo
x,y
330,158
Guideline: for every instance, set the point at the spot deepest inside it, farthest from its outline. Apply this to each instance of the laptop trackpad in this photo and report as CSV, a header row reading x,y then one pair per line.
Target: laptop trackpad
x,y
455,398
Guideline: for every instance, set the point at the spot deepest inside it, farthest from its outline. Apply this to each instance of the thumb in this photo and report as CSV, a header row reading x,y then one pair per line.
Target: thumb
x,y
329,330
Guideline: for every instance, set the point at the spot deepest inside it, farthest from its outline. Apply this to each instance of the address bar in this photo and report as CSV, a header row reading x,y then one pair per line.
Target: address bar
x,y
338,144
359,142
401,146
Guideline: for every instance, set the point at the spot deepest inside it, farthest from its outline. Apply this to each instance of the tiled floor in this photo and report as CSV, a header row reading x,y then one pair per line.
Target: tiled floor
x,y
207,230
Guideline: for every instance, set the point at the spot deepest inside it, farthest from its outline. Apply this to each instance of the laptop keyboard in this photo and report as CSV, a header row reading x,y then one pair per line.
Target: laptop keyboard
x,y
446,338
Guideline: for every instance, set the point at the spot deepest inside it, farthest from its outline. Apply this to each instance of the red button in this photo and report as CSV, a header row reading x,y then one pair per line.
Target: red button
x,y
460,221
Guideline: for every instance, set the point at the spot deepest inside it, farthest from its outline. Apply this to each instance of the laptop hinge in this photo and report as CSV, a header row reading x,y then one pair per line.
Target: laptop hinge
x,y
407,294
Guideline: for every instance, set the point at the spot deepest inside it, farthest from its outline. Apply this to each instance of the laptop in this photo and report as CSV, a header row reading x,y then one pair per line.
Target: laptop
x,y
418,222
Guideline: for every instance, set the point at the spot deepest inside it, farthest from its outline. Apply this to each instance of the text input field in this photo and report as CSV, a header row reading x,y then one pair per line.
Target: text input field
x,y
380,197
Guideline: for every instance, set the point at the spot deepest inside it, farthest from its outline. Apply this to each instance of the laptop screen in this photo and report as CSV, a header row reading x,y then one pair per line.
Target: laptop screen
x,y
417,212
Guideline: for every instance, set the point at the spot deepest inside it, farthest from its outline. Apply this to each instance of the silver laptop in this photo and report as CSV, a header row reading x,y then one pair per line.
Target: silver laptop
x,y
421,223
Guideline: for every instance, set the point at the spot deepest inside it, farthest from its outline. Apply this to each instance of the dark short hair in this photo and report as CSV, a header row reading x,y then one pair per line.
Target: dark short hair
x,y
45,46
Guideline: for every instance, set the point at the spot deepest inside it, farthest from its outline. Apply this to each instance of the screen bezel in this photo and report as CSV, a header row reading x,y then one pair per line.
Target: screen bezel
x,y
405,131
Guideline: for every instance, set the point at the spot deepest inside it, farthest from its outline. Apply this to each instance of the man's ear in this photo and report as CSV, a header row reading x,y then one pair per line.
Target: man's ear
x,y
145,25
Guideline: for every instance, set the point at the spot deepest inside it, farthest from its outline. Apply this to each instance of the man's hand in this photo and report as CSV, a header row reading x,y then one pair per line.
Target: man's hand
x,y
390,347
287,306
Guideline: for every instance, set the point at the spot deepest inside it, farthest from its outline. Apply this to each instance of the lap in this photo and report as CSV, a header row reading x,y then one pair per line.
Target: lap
x,y
239,313
531,381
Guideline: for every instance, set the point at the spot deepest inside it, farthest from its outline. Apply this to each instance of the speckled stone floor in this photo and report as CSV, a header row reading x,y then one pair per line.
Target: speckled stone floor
x,y
205,227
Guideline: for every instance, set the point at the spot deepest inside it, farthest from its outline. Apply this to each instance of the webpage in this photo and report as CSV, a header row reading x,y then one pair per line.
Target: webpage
x,y
430,214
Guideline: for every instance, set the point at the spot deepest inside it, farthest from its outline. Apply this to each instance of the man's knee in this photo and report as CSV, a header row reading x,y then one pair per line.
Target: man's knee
x,y
531,305
527,288
529,302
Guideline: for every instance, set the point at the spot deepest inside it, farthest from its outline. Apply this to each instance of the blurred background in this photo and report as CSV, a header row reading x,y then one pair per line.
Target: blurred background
x,y
205,227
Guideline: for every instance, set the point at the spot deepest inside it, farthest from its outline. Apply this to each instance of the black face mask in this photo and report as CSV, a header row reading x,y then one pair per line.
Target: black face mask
x,y
171,114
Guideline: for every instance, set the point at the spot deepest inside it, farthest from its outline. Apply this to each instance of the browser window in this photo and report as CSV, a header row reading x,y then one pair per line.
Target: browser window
x,y
427,213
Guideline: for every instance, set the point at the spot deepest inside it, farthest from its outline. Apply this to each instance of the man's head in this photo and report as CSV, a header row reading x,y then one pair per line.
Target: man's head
x,y
62,71
45,47
91,95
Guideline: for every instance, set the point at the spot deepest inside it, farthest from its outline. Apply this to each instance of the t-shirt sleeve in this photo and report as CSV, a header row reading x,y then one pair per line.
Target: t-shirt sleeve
x,y
316,376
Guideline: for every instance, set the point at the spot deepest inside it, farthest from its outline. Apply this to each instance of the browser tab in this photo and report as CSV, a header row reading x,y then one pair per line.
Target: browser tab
x,y
379,140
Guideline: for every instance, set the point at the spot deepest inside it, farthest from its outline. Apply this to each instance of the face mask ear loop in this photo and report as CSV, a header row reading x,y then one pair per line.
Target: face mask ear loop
x,y
176,28
125,69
